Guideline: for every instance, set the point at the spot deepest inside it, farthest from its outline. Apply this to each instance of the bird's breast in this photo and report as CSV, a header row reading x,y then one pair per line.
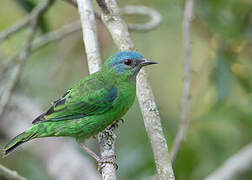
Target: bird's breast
x,y
125,99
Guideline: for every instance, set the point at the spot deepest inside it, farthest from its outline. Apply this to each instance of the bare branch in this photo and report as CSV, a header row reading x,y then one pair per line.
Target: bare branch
x,y
188,13
120,35
107,137
106,141
14,28
117,27
17,70
234,166
36,14
155,17
38,43
89,34
76,26
17,118
56,35
154,128
8,174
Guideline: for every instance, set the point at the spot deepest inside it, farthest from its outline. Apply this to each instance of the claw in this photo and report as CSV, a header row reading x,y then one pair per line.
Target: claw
x,y
121,120
108,159
101,161
115,124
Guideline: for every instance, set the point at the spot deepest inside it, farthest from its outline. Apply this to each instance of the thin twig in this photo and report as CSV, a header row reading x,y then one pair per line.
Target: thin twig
x,y
56,35
234,166
4,67
121,37
36,14
106,138
8,174
155,17
188,14
42,41
14,28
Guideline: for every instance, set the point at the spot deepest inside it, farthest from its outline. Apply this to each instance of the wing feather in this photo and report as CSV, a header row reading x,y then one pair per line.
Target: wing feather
x,y
85,99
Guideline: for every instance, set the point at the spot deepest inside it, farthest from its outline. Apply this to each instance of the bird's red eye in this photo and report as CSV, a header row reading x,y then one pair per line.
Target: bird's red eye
x,y
127,62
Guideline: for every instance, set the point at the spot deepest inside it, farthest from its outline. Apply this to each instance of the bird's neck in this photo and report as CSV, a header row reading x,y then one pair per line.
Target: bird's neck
x,y
116,78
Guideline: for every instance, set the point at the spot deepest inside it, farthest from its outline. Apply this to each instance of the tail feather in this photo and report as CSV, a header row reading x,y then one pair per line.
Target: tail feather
x,y
17,141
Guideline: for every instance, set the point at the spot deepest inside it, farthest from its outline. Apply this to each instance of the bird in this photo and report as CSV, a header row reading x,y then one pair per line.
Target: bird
x,y
91,105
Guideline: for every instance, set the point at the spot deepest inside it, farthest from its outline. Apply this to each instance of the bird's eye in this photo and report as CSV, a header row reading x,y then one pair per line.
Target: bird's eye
x,y
127,62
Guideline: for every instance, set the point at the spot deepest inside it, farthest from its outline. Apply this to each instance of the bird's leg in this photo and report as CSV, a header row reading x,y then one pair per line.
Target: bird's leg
x,y
90,152
115,124
101,161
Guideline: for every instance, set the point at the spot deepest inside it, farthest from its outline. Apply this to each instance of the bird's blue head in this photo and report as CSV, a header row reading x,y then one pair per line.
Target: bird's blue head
x,y
127,63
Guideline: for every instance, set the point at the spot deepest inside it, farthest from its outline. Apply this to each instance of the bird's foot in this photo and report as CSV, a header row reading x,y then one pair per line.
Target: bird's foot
x,y
101,160
107,159
115,124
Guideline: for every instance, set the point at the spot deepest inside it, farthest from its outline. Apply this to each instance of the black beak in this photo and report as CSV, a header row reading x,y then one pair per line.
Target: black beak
x,y
146,62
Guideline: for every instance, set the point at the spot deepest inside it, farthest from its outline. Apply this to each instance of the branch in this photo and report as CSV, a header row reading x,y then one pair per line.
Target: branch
x,y
188,13
106,141
56,35
17,118
89,34
40,42
76,27
106,138
8,174
121,37
14,28
35,14
234,166
155,17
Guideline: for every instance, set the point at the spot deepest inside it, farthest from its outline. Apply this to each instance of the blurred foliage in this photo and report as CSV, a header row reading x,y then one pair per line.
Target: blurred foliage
x,y
220,105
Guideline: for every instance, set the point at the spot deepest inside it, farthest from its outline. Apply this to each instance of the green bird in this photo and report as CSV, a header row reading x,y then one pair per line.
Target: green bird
x,y
93,104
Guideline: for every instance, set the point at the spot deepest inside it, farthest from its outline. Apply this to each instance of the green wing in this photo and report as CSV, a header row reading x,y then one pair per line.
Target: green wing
x,y
88,97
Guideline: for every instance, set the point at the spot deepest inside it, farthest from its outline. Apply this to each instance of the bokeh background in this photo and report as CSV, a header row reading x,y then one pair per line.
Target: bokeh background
x,y
220,102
